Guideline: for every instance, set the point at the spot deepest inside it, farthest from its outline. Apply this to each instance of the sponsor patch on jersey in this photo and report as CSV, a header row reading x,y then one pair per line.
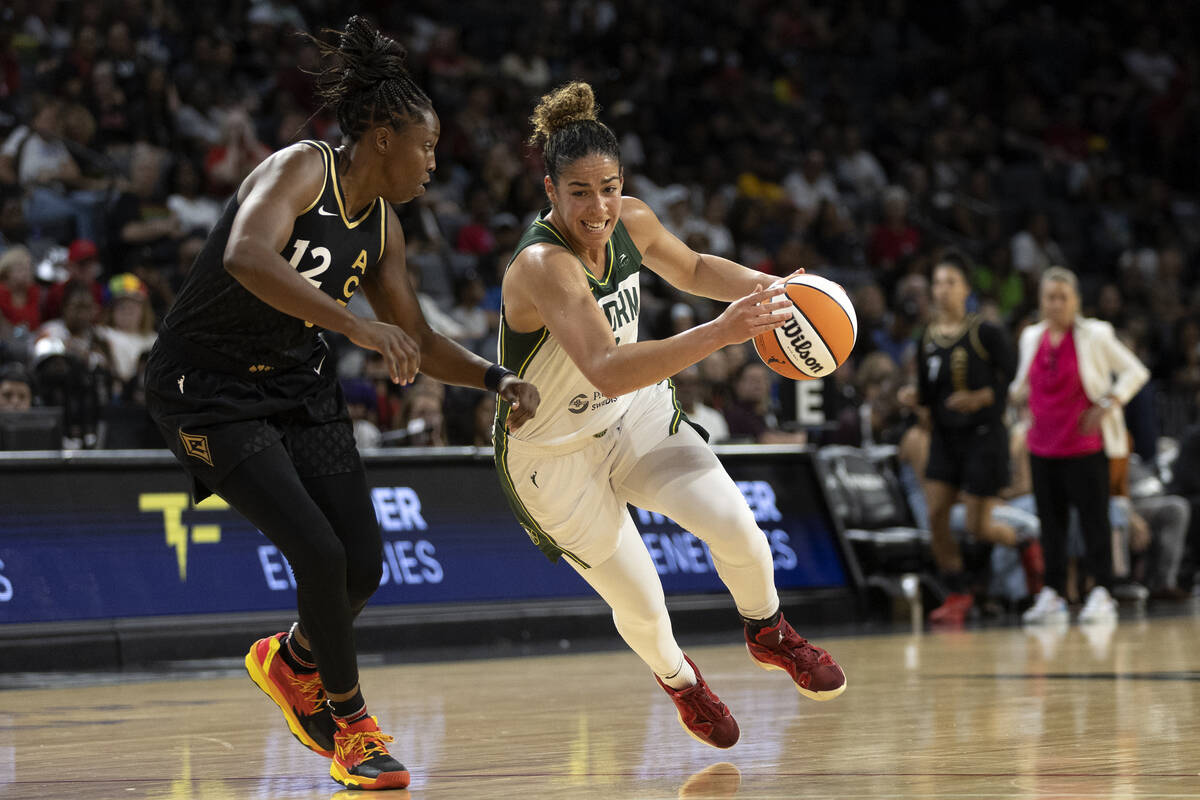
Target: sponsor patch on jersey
x,y
578,404
196,446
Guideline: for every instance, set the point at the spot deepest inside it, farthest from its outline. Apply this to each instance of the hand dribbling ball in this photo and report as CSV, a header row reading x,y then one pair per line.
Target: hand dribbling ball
x,y
818,337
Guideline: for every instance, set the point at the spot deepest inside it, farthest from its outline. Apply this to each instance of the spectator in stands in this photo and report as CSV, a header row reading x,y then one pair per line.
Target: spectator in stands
x,y
57,194
20,297
807,186
1066,373
227,164
483,416
127,324
422,417
82,267
197,212
76,328
895,239
875,416
469,313
1033,249
16,388
140,220
752,414
361,403
857,168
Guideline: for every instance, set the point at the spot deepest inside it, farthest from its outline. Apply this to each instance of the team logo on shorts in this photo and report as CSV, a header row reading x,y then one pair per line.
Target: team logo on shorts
x,y
196,447
578,404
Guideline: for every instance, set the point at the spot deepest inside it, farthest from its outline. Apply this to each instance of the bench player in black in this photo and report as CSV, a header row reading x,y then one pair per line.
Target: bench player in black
x,y
237,386
964,367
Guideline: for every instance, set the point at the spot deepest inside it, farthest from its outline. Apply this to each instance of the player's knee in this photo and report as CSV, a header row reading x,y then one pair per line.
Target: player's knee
x,y
321,563
362,579
645,617
729,529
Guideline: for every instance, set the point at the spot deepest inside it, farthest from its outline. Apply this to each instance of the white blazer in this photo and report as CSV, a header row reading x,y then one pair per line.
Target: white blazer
x,y
1106,366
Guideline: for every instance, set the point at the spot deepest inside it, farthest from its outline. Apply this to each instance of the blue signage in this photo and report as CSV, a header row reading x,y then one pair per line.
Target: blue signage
x,y
122,538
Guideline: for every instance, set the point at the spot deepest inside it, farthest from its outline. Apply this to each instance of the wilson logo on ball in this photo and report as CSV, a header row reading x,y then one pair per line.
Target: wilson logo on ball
x,y
818,337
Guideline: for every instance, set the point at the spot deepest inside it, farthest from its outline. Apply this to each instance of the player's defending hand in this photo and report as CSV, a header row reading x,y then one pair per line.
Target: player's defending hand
x,y
758,312
399,351
523,397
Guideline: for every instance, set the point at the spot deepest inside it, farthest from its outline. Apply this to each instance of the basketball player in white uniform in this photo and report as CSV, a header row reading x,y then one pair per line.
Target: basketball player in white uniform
x,y
609,432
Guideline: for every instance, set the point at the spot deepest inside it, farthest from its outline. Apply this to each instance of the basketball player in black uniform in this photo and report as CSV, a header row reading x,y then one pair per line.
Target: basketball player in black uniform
x,y
238,384
964,369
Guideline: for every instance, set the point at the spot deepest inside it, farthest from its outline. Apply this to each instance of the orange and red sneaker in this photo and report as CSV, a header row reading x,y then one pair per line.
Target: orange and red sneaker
x,y
301,698
702,714
362,761
815,672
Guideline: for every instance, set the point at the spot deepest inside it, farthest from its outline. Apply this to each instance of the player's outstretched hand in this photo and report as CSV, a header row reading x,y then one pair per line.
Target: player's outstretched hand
x,y
523,397
758,312
399,351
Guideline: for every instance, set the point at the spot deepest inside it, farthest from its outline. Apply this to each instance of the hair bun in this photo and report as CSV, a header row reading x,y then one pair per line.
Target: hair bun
x,y
569,103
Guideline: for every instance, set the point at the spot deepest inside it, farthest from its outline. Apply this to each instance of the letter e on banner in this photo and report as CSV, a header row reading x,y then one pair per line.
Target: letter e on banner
x,y
810,402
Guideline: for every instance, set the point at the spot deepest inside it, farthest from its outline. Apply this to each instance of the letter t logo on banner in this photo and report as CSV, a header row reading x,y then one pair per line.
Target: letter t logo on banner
x,y
172,505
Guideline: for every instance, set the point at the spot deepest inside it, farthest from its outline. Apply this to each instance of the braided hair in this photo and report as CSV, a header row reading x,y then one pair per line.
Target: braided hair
x,y
366,81
565,123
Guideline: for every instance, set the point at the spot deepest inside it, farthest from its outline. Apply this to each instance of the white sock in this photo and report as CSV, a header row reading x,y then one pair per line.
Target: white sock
x,y
681,678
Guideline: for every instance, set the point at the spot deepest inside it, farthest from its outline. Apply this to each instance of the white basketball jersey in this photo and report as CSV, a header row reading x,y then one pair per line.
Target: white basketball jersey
x,y
572,408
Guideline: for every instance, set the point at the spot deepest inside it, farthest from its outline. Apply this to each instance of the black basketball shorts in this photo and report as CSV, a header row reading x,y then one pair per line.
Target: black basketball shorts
x,y
973,459
213,421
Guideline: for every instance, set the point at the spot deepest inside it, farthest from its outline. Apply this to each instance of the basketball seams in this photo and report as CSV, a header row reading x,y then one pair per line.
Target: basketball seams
x,y
849,318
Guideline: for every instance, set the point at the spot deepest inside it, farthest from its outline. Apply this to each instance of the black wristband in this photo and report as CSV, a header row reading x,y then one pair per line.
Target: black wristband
x,y
495,373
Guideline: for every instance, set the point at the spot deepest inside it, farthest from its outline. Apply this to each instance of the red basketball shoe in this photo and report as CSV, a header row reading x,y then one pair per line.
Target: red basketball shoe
x,y
301,698
815,672
952,613
362,761
702,714
1033,562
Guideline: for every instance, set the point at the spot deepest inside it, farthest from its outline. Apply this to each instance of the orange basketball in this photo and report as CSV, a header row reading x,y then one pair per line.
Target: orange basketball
x,y
818,337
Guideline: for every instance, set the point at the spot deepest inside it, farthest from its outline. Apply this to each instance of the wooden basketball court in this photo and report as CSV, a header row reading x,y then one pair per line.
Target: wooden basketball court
x,y
1002,713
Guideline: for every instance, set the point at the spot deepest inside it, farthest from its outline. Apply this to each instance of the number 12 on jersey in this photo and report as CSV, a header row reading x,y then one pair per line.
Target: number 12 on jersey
x,y
319,254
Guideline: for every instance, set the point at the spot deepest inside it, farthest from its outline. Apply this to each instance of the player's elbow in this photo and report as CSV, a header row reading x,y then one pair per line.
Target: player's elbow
x,y
236,259
608,383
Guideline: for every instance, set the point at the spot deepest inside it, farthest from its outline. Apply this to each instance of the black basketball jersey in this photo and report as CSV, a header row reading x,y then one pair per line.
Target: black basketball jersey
x,y
221,318
979,357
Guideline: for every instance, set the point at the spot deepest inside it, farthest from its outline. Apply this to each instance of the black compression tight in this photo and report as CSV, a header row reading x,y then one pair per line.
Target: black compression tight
x,y
326,529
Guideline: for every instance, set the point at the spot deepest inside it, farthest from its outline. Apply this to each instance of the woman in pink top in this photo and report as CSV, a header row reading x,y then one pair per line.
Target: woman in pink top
x,y
1076,375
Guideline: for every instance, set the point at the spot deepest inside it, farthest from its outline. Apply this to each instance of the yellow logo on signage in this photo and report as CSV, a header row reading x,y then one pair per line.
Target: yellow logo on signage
x,y
172,505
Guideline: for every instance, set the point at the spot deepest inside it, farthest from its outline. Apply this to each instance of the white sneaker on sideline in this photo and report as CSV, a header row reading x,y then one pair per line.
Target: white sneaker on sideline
x,y
1100,607
1047,608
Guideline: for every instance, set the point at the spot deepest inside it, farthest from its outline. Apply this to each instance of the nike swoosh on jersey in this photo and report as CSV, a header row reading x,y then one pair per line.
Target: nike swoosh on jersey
x,y
321,210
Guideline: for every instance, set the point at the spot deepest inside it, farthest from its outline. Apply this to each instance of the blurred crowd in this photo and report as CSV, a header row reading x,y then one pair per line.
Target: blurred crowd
x,y
854,139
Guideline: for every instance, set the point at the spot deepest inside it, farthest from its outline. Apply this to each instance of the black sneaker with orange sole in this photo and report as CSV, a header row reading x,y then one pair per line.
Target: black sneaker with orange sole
x,y
361,759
